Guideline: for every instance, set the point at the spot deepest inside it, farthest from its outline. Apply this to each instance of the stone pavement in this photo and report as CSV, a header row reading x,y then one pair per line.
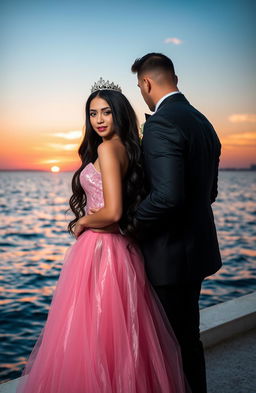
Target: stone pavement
x,y
231,365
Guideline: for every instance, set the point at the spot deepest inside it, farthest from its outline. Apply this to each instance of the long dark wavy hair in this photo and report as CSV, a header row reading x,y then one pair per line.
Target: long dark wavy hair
x,y
126,127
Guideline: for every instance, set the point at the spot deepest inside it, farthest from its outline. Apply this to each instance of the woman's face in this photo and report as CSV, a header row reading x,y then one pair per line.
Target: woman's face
x,y
101,118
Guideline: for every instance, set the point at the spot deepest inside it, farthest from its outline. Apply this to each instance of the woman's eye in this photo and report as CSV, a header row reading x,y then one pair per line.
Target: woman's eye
x,y
92,114
107,112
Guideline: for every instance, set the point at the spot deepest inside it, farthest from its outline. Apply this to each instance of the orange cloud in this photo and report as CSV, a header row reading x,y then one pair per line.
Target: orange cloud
x,y
63,146
68,135
242,118
246,139
58,147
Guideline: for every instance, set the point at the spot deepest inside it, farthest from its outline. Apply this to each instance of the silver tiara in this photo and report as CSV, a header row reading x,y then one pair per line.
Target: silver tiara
x,y
105,85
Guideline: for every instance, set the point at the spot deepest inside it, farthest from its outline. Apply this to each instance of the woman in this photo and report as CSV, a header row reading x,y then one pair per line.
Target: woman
x,y
106,331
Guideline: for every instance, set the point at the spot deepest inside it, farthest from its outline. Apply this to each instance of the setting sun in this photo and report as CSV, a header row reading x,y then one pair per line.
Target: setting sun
x,y
55,169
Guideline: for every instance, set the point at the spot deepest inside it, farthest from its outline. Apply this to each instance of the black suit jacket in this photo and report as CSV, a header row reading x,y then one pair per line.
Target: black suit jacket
x,y
181,155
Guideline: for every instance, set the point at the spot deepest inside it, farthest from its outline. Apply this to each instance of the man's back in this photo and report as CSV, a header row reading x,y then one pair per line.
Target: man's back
x,y
181,151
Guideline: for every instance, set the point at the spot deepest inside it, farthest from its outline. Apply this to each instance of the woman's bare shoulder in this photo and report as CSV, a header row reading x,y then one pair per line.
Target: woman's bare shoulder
x,y
111,146
116,149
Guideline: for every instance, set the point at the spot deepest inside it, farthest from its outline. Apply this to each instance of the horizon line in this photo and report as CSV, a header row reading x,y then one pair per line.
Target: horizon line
x,y
252,167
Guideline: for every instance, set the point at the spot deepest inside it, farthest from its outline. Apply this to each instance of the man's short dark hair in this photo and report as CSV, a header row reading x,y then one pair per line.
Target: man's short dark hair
x,y
152,62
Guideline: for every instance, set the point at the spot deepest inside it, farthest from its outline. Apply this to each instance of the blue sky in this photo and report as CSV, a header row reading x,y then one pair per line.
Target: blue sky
x,y
53,51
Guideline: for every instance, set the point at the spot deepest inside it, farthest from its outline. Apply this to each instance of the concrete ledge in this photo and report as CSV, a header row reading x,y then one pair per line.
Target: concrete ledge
x,y
227,319
10,386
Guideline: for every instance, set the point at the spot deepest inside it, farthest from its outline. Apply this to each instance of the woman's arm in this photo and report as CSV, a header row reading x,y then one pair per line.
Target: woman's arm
x,y
111,173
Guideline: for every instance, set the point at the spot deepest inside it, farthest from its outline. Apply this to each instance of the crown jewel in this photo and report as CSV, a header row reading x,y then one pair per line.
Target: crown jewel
x,y
105,85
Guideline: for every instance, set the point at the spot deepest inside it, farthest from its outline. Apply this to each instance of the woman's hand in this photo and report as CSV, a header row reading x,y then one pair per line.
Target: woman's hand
x,y
79,227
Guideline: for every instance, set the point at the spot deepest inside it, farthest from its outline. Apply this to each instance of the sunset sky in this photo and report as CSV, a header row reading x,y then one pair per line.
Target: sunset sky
x,y
53,51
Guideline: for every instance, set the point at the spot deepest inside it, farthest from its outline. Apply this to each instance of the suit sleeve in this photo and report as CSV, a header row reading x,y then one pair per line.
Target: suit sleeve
x,y
163,148
214,192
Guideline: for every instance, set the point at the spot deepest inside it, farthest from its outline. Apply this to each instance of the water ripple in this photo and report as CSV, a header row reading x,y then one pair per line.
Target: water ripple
x,y
34,238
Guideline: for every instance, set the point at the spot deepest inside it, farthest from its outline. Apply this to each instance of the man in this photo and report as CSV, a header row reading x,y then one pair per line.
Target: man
x,y
181,155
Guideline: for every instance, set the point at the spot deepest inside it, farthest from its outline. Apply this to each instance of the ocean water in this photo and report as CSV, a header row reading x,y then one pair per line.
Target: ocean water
x,y
33,240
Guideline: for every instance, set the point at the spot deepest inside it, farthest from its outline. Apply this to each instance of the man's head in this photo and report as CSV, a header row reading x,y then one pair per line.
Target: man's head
x,y
156,77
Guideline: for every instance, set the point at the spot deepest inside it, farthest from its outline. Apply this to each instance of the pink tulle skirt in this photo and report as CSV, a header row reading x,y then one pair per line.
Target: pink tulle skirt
x,y
106,331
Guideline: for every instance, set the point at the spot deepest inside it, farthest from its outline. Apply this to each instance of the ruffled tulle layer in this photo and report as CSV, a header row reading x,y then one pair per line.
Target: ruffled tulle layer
x,y
106,331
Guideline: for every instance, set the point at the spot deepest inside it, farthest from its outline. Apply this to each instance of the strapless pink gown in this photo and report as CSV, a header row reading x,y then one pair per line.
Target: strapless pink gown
x,y
106,331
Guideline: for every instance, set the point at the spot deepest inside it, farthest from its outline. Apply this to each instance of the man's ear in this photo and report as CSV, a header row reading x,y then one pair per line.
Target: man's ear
x,y
176,79
147,84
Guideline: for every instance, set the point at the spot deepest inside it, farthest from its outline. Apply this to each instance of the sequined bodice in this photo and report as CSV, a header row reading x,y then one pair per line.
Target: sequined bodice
x,y
91,182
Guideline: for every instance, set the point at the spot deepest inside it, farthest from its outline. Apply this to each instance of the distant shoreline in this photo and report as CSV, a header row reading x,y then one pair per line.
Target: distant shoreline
x,y
35,170
238,169
252,169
